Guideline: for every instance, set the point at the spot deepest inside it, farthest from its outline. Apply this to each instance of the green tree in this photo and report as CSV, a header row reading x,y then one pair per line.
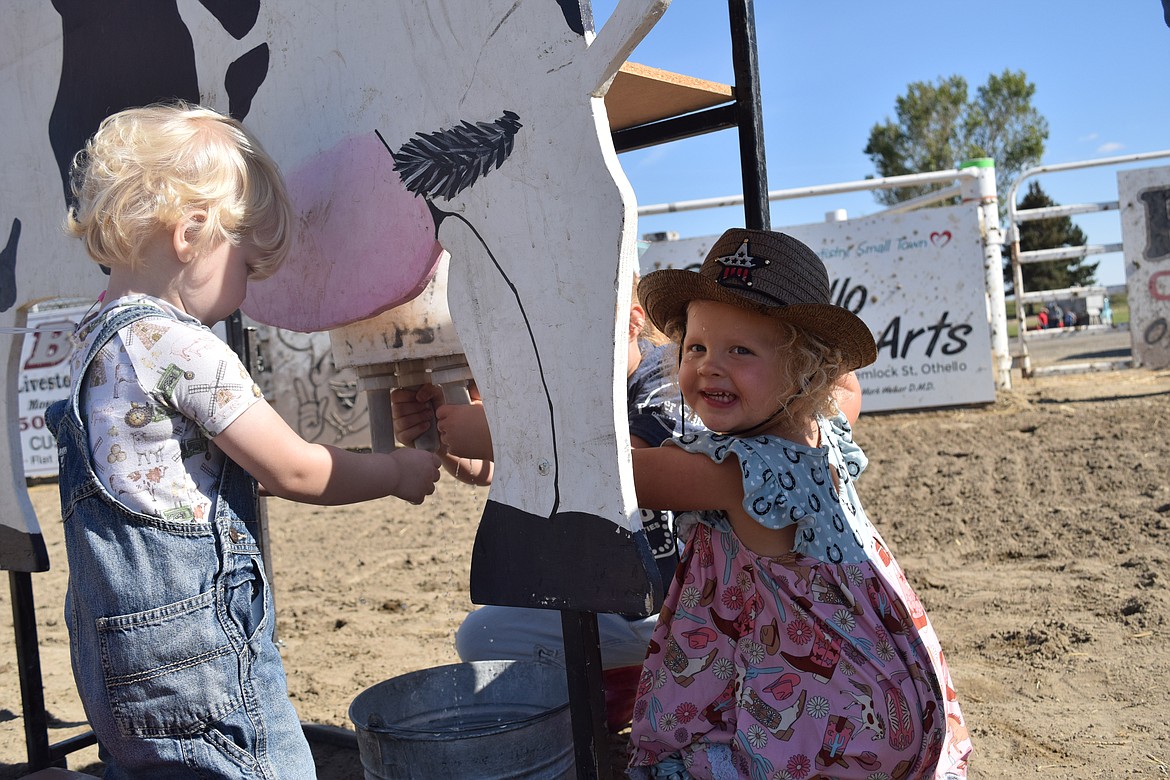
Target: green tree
x,y
1050,234
937,127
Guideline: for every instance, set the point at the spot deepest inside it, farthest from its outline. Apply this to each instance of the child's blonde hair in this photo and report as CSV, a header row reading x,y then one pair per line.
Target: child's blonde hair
x,y
649,332
153,167
815,367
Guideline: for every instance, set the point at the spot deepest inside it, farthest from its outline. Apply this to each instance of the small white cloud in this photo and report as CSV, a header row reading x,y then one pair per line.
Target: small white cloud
x,y
1110,147
653,157
1089,137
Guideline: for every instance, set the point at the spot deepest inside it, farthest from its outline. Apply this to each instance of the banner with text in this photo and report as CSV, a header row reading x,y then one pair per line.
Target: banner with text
x,y
44,378
917,280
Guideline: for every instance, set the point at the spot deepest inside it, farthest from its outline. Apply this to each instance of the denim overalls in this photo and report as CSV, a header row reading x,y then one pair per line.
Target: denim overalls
x,y
171,623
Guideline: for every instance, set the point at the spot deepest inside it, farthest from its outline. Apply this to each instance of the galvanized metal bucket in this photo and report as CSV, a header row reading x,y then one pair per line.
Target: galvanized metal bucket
x,y
485,719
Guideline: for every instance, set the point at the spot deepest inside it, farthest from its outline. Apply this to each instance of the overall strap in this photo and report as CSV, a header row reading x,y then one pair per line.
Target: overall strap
x,y
120,318
64,417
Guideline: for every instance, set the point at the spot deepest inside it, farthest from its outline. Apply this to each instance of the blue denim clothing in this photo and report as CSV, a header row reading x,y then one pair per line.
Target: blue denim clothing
x,y
171,623
492,633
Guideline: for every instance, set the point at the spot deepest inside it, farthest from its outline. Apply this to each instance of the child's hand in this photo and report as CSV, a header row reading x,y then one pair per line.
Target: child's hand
x,y
464,429
417,473
412,411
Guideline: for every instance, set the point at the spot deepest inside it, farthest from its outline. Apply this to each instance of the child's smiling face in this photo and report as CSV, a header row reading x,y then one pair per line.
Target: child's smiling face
x,y
732,373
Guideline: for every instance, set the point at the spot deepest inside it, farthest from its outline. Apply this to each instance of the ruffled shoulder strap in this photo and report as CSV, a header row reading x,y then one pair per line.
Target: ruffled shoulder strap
x,y
839,434
777,475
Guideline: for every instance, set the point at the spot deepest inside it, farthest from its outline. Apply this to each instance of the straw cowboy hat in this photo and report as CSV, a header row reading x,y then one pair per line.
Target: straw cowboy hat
x,y
768,272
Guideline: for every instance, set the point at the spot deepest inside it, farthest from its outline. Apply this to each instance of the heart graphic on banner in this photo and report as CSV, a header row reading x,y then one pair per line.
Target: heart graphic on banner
x,y
940,238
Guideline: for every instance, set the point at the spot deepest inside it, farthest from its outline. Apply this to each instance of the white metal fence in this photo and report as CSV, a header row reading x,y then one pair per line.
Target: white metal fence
x,y
1018,216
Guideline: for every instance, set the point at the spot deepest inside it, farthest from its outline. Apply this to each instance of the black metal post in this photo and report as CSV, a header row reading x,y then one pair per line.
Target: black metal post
x,y
753,164
243,341
586,699
28,664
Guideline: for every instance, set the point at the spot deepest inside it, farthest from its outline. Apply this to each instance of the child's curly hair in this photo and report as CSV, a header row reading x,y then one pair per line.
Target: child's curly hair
x,y
649,332
156,166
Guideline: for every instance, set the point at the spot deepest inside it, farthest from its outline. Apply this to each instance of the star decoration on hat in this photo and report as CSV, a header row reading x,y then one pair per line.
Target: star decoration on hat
x,y
738,267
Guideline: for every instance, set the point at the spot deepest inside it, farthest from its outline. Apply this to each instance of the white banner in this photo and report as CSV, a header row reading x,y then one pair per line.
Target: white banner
x,y
917,280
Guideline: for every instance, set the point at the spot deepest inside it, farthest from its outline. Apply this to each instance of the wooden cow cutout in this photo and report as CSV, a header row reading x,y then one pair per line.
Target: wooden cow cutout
x,y
67,65
495,120
481,127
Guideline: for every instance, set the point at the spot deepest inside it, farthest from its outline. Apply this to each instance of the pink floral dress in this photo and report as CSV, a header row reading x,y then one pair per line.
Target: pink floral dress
x,y
818,663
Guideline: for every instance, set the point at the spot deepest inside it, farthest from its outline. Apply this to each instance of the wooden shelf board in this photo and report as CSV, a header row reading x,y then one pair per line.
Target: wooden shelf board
x,y
640,95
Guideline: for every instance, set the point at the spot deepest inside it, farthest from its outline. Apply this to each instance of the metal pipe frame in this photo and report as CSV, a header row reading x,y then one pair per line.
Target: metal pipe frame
x,y
1014,219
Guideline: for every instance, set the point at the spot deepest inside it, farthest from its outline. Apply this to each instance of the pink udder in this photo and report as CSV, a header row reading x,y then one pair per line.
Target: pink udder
x,y
362,242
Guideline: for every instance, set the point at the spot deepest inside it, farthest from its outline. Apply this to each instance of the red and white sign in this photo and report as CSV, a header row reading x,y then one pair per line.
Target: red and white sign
x,y
44,379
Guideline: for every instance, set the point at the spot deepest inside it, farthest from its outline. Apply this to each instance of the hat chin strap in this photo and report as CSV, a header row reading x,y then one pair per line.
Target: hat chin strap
x,y
751,430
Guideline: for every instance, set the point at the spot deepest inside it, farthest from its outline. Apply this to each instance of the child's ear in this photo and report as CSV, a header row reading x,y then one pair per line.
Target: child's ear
x,y
185,233
637,320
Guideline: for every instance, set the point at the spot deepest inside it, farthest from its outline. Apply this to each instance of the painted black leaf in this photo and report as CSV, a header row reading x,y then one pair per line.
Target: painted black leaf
x,y
446,162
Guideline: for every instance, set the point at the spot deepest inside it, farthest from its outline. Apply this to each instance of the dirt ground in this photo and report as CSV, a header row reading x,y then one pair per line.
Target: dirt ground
x,y
1035,530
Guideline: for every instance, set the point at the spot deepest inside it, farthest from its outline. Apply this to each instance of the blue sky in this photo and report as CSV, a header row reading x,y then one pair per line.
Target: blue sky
x,y
829,71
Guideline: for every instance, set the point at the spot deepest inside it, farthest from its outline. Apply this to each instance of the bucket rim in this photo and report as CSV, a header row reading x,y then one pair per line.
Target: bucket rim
x,y
438,735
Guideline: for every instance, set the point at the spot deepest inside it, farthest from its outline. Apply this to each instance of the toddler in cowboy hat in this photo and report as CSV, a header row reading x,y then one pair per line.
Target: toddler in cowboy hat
x,y
790,643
